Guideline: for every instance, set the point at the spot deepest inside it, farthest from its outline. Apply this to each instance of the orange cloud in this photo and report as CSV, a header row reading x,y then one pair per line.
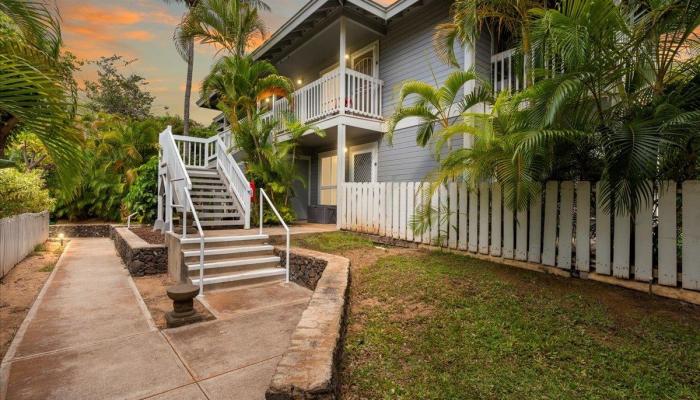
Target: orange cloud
x,y
138,35
91,14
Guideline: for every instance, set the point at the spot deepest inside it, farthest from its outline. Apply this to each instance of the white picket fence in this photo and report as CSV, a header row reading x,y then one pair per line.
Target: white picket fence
x,y
19,235
565,228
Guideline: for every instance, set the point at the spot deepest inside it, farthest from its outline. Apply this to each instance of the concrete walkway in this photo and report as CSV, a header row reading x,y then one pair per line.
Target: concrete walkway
x,y
89,336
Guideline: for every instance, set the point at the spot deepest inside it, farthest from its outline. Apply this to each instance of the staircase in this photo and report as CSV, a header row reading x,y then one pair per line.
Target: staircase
x,y
206,196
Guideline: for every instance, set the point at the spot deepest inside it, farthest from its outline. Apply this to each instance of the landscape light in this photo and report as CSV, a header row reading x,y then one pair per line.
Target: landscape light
x,y
60,237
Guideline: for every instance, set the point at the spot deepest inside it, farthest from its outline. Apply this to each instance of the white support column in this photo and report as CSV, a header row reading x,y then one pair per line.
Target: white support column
x,y
340,175
341,67
168,206
159,224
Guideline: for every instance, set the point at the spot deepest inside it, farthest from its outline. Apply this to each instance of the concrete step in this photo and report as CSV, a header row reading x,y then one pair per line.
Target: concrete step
x,y
225,239
258,274
229,250
238,262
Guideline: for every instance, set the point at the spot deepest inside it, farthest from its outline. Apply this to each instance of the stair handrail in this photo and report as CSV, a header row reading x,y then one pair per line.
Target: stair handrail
x,y
263,195
190,205
176,170
236,179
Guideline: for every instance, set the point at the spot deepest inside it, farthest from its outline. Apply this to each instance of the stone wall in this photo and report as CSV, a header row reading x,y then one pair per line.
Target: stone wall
x,y
140,257
304,270
80,230
309,369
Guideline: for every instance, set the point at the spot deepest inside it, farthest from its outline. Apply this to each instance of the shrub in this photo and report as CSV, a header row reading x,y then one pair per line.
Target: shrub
x,y
22,192
143,193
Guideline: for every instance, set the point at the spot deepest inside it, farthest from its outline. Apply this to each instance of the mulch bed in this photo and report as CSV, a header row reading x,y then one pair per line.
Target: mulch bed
x,y
149,235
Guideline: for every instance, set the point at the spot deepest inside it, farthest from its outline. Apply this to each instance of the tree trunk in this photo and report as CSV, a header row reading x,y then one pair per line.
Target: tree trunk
x,y
5,130
188,88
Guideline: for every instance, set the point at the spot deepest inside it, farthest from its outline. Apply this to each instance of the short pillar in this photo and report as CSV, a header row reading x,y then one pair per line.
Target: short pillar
x,y
340,178
183,305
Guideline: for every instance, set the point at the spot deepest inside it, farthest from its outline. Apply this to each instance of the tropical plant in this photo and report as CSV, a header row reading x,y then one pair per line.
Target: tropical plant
x,y
116,93
229,24
438,107
22,192
239,83
501,18
142,197
232,25
37,89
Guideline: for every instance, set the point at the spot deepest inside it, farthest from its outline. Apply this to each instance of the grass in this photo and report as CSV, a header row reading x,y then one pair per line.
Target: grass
x,y
48,268
442,326
334,242
39,248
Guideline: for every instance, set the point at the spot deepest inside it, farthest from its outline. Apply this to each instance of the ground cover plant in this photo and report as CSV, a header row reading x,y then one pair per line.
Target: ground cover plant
x,y
432,325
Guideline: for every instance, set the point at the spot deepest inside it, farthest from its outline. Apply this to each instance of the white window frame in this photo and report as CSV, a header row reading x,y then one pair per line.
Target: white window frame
x,y
321,156
363,148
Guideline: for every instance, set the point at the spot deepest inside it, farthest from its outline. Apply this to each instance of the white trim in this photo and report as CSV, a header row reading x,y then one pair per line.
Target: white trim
x,y
372,148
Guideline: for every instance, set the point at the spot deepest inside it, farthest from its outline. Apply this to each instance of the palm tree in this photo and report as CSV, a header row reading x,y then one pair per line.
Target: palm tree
x,y
469,17
37,89
629,78
224,23
240,83
438,107
186,50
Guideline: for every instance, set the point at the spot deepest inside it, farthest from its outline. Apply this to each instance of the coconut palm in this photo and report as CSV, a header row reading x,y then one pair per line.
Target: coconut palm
x,y
239,83
37,90
438,107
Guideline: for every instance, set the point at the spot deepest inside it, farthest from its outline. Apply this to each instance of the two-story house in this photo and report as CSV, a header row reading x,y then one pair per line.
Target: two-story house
x,y
348,59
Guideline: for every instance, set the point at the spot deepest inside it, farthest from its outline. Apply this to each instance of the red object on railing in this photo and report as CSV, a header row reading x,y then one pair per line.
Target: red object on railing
x,y
252,191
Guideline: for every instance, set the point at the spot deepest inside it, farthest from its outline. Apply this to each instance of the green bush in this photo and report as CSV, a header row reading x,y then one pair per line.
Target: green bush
x,y
22,192
142,197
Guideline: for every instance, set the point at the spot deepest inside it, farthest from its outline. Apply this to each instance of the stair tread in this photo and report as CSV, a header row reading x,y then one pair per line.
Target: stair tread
x,y
221,222
236,276
229,250
233,214
237,262
220,239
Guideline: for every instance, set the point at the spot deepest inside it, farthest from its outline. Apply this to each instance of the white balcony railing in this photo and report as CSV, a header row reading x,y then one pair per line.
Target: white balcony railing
x,y
503,72
321,98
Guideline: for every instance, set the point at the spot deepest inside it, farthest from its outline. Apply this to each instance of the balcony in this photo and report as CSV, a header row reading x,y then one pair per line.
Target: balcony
x,y
321,99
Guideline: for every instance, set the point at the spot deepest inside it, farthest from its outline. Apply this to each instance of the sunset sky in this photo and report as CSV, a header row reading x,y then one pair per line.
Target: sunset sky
x,y
142,30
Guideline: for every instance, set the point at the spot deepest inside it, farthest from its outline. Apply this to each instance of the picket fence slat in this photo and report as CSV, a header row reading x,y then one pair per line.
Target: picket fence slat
x,y
508,232
463,216
452,226
621,243
691,235
484,218
603,235
535,250
473,235
643,242
566,225
583,226
496,210
667,268
554,229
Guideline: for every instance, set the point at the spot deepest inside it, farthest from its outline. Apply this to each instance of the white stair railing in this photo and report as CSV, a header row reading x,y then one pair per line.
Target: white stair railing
x,y
263,196
177,179
235,179
189,206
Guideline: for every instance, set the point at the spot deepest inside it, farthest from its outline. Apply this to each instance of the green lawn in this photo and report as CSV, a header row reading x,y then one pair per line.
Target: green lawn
x,y
440,326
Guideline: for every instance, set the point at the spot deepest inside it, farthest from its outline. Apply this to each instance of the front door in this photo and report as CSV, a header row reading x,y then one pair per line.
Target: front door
x,y
300,200
363,163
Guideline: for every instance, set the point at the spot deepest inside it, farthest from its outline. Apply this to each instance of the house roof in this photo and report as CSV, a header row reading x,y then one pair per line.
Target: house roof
x,y
315,12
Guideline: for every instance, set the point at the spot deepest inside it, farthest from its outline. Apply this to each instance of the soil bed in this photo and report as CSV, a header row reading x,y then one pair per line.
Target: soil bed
x,y
152,289
149,235
20,287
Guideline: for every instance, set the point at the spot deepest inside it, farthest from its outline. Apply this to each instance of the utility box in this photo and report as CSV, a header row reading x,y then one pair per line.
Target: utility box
x,y
322,214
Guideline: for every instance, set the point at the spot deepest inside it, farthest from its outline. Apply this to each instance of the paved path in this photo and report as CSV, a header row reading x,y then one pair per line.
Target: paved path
x,y
89,336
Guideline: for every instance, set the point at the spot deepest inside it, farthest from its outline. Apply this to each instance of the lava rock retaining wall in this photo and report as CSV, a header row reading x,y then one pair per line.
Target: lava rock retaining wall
x,y
309,369
80,230
304,269
140,257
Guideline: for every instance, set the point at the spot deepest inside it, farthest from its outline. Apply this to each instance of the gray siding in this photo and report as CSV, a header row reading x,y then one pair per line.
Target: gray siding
x,y
406,52
404,160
